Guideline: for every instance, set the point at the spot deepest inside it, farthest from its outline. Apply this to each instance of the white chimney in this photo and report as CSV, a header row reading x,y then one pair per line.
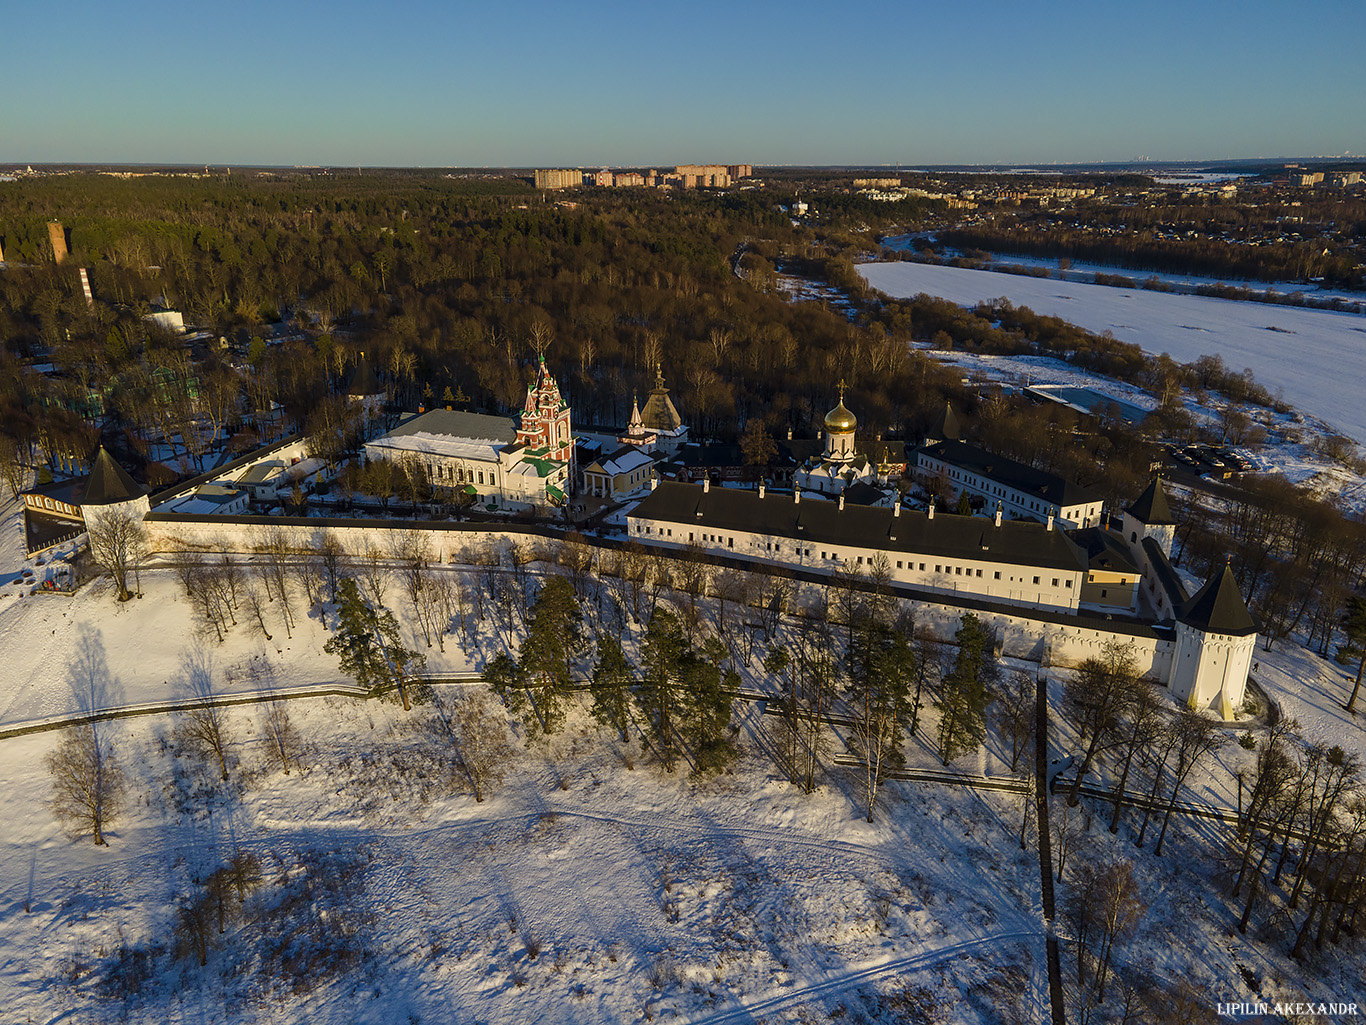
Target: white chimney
x,y
998,514
654,483
796,494
931,510
706,485
896,509
761,487
841,501
1050,518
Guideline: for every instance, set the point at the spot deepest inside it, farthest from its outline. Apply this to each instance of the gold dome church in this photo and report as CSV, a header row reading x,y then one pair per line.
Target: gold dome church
x,y
841,465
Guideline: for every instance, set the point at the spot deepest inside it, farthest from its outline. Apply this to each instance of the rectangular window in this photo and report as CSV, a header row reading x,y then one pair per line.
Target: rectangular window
x,y
958,571
824,556
937,567
732,542
979,572
1036,580
998,575
898,563
690,535
860,560
1069,583
1103,592
1055,581
922,567
481,476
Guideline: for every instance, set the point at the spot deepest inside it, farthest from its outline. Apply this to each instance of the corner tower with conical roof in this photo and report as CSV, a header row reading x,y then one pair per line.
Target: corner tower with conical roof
x,y
1150,516
1215,637
661,417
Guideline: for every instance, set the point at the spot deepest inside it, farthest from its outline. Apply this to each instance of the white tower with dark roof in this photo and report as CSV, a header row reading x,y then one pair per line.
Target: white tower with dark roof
x,y
1215,637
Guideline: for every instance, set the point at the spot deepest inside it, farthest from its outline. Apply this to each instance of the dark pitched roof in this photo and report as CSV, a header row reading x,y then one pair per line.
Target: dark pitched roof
x,y
109,482
457,424
946,427
709,453
659,413
1151,507
864,494
1104,549
1218,607
1047,487
1019,542
363,380
885,452
1166,575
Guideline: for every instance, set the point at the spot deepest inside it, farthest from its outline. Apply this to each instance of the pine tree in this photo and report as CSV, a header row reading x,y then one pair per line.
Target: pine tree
x,y
610,687
554,638
368,645
880,668
963,693
660,695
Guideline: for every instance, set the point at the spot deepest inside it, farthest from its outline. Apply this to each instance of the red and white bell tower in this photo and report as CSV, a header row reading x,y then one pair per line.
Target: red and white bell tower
x,y
545,419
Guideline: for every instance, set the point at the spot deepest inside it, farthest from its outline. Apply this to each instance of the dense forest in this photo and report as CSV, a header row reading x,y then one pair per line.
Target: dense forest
x,y
451,285
1283,236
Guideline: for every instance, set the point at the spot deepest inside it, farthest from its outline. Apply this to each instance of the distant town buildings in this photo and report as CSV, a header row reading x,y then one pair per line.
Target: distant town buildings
x,y
558,179
684,176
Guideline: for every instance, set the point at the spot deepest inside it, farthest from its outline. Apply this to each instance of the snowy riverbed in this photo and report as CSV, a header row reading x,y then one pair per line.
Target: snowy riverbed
x,y
1315,358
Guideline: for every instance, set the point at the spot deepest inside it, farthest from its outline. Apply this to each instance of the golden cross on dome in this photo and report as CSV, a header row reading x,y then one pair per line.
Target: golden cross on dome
x,y
841,387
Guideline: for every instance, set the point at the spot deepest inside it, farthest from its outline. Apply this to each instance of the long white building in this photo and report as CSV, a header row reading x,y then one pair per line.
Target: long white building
x,y
1017,562
1200,647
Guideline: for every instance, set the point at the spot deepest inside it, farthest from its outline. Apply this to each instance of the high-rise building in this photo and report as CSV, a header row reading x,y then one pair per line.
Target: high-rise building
x,y
556,179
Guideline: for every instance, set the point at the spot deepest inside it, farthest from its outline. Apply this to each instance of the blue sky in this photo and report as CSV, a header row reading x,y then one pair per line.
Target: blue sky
x,y
417,82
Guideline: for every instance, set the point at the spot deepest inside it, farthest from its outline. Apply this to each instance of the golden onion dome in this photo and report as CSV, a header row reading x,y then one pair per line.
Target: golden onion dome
x,y
839,420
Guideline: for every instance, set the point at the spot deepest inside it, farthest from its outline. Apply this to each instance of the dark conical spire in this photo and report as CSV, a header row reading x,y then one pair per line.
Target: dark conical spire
x,y
1151,507
109,482
946,427
363,380
1218,607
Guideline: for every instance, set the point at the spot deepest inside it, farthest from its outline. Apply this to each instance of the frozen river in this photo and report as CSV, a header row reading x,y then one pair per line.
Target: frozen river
x,y
1316,358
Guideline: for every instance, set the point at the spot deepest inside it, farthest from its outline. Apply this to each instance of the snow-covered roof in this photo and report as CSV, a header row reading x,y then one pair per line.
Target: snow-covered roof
x,y
481,449
624,461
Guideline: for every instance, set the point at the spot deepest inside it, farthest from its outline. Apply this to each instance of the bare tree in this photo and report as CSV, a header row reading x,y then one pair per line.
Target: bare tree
x,y
1097,694
88,785
1196,737
284,745
1120,909
202,725
479,725
118,542
1066,834
330,552
1136,730
252,602
1014,713
374,575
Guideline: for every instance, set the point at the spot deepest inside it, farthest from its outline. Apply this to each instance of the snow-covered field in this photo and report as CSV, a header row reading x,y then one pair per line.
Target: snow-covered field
x,y
1315,358
591,887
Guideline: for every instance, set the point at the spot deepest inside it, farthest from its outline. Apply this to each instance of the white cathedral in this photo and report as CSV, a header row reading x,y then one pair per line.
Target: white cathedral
x,y
840,465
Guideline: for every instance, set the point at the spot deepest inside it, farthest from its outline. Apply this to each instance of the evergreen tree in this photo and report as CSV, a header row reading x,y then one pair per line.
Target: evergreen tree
x,y
544,670
963,693
611,685
708,690
880,668
660,695
368,645
685,695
